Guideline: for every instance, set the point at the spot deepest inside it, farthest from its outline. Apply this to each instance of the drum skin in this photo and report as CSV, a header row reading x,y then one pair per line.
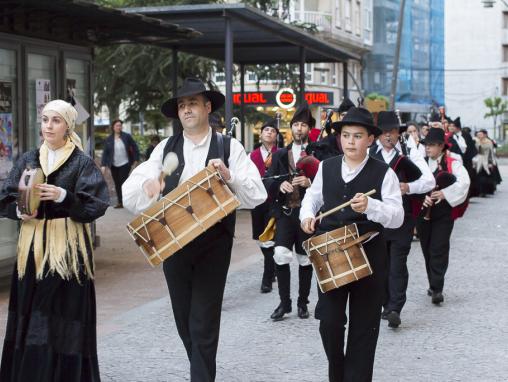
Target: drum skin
x,y
28,197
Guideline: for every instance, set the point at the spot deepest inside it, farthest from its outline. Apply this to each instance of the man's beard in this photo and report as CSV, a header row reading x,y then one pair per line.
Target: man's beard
x,y
300,141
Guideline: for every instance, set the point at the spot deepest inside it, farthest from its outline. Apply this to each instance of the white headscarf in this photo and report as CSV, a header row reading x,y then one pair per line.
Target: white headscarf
x,y
69,114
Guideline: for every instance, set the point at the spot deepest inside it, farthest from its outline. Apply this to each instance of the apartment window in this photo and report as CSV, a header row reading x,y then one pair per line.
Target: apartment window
x,y
505,86
338,14
251,77
334,74
219,77
505,20
347,14
358,20
377,78
309,73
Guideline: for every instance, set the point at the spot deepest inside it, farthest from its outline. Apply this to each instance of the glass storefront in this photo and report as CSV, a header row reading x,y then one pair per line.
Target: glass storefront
x,y
8,143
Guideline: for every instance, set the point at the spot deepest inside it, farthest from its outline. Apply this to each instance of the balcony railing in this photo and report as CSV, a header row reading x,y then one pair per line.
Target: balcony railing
x,y
322,20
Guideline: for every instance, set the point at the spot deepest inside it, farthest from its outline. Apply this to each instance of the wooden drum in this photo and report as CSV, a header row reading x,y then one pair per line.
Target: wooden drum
x,y
338,257
182,215
28,196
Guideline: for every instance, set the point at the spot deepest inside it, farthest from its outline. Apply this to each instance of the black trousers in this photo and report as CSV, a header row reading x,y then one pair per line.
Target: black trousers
x,y
435,242
365,301
196,277
260,217
120,175
398,244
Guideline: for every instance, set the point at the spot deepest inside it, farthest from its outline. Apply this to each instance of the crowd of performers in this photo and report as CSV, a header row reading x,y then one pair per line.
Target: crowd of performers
x,y
422,181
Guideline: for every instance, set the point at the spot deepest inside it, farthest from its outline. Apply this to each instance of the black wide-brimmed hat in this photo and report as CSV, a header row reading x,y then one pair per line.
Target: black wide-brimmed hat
x,y
358,116
388,120
435,117
303,114
345,105
435,135
272,123
456,123
190,87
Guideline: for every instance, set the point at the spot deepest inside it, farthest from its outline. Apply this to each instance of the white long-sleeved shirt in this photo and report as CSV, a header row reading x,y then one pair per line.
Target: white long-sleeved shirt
x,y
460,141
245,180
457,192
422,185
388,212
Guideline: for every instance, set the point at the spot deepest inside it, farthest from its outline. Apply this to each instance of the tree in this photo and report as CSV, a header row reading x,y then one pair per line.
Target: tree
x,y
497,107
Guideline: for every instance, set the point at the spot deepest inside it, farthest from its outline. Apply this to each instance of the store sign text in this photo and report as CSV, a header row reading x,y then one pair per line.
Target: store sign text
x,y
269,98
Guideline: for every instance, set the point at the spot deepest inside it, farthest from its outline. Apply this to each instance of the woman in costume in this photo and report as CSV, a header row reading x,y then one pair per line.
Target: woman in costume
x,y
51,326
485,164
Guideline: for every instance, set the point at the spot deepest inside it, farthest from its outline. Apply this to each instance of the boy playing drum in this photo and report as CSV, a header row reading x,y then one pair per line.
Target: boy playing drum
x,y
338,180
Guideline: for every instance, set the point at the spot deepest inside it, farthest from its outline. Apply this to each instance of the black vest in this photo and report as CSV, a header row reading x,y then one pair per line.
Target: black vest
x,y
336,191
443,208
220,146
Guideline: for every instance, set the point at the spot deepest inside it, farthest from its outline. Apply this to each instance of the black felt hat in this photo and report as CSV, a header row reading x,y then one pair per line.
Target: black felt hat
x,y
345,105
456,123
435,135
435,118
303,114
272,123
388,120
358,116
190,87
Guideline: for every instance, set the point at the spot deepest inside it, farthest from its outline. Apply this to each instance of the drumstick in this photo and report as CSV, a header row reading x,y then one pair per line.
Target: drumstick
x,y
335,209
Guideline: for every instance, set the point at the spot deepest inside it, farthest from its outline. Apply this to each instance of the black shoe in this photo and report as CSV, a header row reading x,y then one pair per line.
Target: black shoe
x,y
384,314
429,292
280,311
393,319
266,288
437,298
303,312
119,205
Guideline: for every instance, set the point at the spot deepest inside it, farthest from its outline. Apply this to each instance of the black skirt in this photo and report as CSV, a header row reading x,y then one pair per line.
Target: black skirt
x,y
51,329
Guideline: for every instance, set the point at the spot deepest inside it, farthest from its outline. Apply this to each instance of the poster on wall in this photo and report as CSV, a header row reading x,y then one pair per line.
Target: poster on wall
x,y
5,97
6,143
42,95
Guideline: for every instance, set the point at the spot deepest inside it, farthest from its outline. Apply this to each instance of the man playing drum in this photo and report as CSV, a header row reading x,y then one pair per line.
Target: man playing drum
x,y
338,180
196,275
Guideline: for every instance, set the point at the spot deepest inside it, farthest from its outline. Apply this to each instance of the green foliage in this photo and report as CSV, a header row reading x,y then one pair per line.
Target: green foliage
x,y
497,107
376,96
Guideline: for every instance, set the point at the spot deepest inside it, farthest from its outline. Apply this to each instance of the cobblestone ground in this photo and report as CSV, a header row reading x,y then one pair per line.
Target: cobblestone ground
x,y
465,339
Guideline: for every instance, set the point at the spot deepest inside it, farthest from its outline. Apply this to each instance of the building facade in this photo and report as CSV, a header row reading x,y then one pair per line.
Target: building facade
x,y
476,61
420,81
345,23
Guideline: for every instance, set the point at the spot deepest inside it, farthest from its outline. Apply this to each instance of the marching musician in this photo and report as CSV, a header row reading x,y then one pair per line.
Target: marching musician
x,y
287,192
436,228
340,179
415,178
196,274
262,158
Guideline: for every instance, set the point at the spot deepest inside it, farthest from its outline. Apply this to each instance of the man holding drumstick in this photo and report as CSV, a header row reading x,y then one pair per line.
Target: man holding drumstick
x,y
196,275
339,179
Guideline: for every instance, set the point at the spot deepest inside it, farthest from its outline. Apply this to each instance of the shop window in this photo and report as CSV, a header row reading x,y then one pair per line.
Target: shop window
x,y
77,76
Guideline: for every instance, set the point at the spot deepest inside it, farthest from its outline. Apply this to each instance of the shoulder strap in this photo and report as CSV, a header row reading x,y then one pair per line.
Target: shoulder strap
x,y
449,162
224,147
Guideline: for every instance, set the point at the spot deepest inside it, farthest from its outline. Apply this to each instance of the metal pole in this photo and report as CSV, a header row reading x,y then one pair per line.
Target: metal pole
x,y
242,106
302,74
229,70
177,126
396,58
344,79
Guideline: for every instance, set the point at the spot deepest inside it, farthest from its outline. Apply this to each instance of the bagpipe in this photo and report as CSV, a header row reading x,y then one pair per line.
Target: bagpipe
x,y
444,179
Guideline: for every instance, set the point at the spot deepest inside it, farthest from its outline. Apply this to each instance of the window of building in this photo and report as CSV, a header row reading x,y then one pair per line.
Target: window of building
x,y
505,20
219,77
367,21
333,68
505,86
347,14
338,14
251,77
309,73
505,53
358,19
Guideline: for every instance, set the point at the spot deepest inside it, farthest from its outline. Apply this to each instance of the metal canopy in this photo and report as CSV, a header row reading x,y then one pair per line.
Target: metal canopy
x,y
78,21
257,37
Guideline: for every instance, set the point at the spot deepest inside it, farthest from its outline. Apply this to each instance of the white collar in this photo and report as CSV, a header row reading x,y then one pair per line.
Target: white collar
x,y
358,168
380,147
203,142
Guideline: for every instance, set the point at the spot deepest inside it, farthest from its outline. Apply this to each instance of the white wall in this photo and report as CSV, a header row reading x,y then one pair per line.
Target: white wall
x,y
473,40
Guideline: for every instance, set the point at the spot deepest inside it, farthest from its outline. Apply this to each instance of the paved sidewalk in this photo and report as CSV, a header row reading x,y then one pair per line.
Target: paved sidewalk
x,y
466,339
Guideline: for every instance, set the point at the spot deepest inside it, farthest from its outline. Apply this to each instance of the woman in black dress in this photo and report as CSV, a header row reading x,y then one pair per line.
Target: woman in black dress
x,y
51,326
